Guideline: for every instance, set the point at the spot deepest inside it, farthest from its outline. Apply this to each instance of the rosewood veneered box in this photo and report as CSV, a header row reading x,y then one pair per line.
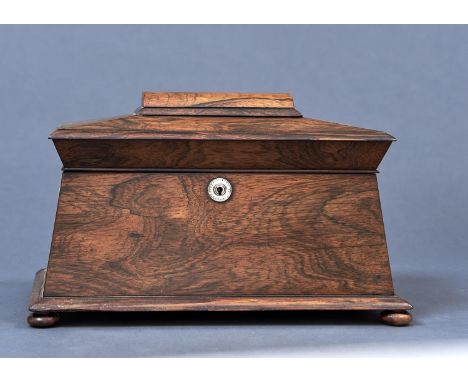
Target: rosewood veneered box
x,y
217,201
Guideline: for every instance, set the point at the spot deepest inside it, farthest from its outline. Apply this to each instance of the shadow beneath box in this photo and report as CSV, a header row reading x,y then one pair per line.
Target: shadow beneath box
x,y
164,319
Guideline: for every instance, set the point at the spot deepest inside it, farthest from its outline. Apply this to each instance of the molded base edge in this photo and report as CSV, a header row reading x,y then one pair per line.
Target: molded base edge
x,y
41,304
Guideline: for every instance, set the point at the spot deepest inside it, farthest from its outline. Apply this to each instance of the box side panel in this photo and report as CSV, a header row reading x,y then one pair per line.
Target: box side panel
x,y
159,234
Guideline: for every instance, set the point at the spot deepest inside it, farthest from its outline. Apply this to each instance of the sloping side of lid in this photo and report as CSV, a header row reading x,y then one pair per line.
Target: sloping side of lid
x,y
218,104
216,128
219,142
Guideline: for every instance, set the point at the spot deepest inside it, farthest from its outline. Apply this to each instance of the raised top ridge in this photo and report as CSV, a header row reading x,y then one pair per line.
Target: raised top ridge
x,y
217,100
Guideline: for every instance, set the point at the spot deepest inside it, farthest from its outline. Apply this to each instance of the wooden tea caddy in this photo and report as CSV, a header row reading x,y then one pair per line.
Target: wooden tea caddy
x,y
217,201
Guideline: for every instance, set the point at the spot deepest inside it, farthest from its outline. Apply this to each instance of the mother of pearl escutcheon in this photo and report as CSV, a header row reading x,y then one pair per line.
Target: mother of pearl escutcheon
x,y
219,189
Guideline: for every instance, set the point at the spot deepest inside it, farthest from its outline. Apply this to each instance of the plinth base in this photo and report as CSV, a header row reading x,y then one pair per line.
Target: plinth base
x,y
45,309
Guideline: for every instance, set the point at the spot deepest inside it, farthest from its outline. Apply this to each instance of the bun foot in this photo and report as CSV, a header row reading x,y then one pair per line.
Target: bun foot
x,y
43,320
396,317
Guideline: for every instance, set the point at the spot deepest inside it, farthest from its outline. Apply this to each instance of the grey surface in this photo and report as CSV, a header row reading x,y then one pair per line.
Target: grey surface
x,y
410,81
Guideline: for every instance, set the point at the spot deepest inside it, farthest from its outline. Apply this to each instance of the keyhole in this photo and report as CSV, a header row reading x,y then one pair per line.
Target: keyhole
x,y
219,189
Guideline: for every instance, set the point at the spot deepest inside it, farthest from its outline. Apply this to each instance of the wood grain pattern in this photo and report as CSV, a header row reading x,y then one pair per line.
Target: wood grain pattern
x,y
219,143
207,100
41,304
216,128
215,155
135,228
129,234
220,111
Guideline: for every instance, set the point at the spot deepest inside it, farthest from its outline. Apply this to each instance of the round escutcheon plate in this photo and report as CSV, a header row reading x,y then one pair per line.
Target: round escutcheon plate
x,y
219,189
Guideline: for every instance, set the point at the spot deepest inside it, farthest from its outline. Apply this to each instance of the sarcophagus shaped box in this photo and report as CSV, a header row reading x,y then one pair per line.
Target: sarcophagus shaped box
x,y
217,201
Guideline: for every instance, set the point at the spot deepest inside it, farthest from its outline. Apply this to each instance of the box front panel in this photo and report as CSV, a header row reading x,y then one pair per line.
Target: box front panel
x,y
160,234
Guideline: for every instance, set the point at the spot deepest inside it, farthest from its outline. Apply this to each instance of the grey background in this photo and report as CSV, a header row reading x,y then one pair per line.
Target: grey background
x,y
411,81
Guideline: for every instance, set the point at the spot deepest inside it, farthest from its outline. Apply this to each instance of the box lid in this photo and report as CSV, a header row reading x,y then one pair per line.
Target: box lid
x,y
222,118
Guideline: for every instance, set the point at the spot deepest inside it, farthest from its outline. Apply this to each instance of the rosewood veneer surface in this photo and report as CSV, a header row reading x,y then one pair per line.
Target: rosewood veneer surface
x,y
160,234
136,229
